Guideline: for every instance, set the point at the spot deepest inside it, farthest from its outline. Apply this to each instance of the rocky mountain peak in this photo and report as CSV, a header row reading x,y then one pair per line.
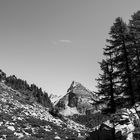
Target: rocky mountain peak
x,y
78,100
73,85
78,88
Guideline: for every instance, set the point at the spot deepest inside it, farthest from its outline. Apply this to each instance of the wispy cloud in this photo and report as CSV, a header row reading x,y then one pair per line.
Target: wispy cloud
x,y
60,42
65,41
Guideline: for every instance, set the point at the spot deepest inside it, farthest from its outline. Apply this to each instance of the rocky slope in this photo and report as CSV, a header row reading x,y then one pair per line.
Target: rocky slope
x,y
78,100
22,119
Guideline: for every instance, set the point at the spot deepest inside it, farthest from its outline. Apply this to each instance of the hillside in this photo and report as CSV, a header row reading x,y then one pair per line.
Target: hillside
x,y
20,119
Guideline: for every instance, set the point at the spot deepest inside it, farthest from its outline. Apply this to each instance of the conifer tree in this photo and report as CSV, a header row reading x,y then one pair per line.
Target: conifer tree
x,y
119,41
106,83
134,26
2,75
117,66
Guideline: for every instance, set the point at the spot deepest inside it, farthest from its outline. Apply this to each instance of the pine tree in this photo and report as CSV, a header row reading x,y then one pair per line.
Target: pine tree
x,y
134,26
116,78
2,76
120,47
106,83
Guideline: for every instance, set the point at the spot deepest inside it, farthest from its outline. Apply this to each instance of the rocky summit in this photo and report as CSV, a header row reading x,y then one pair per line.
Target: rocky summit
x,y
78,100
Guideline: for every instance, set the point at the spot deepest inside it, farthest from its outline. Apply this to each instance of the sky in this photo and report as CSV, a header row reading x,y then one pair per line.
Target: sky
x,y
52,42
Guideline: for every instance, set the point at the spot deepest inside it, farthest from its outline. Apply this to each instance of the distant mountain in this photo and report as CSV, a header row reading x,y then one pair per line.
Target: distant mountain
x,y
78,100
54,98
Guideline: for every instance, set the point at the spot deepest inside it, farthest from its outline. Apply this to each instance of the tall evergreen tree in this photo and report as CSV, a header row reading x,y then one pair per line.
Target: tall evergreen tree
x,y
119,41
106,83
117,66
134,26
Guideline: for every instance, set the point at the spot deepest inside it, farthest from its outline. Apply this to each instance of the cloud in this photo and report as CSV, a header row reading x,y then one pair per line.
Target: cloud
x,y
65,41
62,42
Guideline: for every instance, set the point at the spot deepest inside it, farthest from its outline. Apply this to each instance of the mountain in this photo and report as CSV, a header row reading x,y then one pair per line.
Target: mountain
x,y
22,119
78,100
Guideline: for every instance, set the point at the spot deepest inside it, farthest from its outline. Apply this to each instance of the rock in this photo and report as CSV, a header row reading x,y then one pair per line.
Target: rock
x,y
11,128
57,138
